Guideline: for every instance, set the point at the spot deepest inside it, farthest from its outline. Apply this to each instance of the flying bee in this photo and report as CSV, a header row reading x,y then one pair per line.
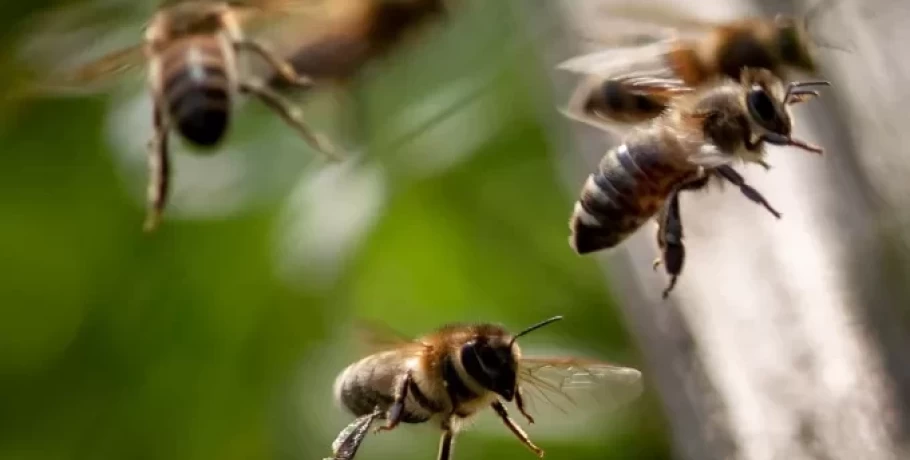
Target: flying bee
x,y
354,33
698,138
611,92
446,377
192,49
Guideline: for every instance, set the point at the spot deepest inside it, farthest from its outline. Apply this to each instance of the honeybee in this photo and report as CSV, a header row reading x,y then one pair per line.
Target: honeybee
x,y
698,138
446,377
192,49
353,33
618,89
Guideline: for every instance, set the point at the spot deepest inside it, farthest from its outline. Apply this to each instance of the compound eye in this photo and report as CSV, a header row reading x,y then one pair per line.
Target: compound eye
x,y
490,358
762,109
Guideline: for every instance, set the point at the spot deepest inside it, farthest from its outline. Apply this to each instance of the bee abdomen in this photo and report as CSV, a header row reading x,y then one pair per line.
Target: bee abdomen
x,y
197,91
627,189
371,383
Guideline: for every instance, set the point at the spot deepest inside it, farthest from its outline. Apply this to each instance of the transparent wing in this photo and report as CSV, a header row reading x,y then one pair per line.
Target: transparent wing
x,y
82,48
662,14
93,76
375,336
587,101
649,59
569,384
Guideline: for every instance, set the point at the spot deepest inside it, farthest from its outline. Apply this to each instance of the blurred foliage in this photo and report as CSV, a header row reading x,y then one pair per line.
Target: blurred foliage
x,y
191,343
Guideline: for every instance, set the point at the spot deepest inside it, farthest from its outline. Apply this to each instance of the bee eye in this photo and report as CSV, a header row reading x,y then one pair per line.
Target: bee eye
x,y
762,108
490,358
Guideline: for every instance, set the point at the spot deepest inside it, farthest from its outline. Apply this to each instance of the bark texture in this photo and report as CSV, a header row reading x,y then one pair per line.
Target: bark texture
x,y
784,339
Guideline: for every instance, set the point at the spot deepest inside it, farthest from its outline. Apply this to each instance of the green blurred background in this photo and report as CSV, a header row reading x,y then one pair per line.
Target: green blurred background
x,y
220,335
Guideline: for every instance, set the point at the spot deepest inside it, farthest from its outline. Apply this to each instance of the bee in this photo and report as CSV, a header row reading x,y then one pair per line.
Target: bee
x,y
192,50
354,33
612,91
698,138
446,377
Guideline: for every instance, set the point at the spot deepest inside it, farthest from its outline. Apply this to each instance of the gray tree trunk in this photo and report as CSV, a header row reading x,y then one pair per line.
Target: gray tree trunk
x,y
784,339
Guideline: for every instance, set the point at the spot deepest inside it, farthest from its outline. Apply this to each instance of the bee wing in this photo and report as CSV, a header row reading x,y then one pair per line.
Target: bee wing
x,y
562,382
376,336
93,76
645,59
662,14
61,47
626,52
658,88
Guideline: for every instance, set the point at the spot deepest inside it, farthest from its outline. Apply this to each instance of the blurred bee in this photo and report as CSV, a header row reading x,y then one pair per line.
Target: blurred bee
x,y
612,91
353,33
192,50
698,138
446,377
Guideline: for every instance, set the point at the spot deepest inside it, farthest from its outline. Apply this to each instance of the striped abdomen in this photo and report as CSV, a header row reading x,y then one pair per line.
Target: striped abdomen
x,y
630,185
197,87
371,383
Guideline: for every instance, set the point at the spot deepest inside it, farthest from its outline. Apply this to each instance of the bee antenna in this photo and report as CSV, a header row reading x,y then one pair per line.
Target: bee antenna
x,y
534,328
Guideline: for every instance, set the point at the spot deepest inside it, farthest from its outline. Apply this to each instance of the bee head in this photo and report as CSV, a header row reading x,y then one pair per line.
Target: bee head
x,y
492,359
493,363
764,101
767,102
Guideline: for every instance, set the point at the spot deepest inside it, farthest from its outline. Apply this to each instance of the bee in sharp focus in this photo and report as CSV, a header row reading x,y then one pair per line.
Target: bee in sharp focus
x,y
446,377
698,138
611,93
192,49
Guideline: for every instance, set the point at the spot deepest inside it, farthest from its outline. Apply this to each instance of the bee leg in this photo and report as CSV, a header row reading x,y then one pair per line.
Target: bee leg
x,y
159,170
445,444
396,410
516,430
520,403
668,219
292,115
670,236
351,437
737,179
284,69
